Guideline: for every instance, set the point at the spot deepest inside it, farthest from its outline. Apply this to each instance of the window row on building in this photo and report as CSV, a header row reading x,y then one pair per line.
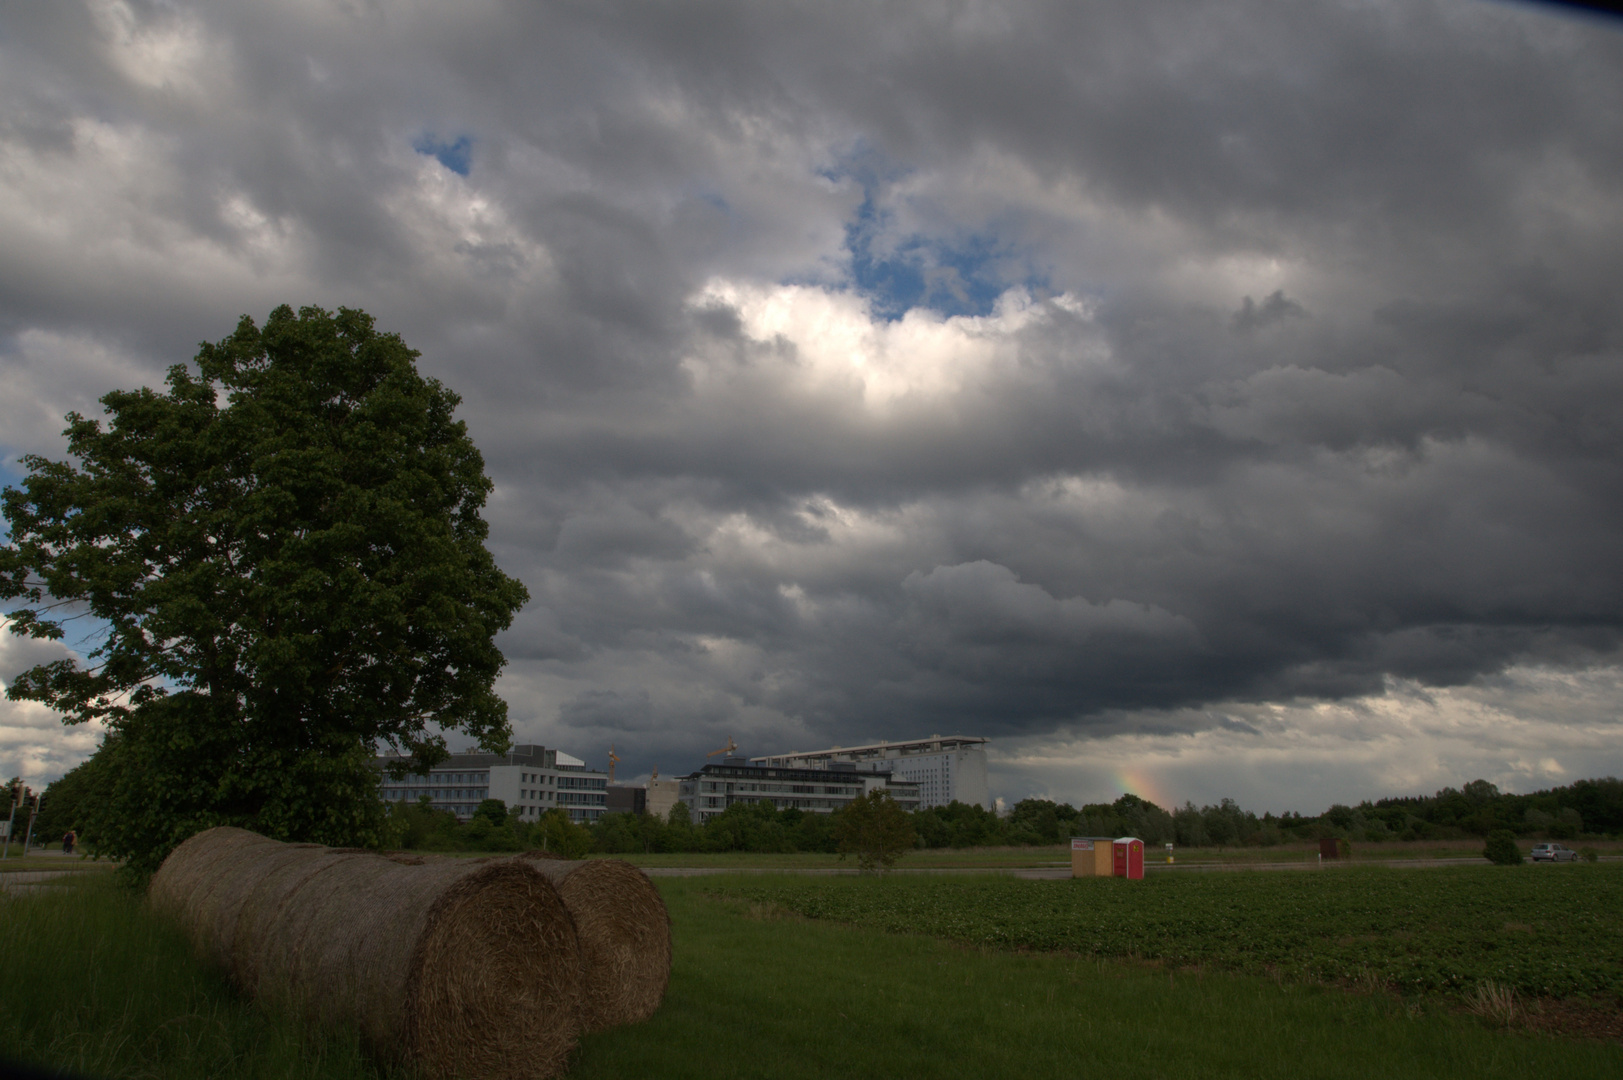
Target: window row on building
x,y
529,778
946,768
714,788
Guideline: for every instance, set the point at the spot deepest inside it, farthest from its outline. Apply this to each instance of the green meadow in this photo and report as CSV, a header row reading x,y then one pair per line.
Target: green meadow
x,y
759,989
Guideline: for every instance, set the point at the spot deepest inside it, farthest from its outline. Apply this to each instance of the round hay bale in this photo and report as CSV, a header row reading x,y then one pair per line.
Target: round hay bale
x,y
200,886
266,892
465,968
625,937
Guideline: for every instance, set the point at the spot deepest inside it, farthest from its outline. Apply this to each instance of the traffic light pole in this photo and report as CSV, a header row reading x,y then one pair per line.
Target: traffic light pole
x,y
33,812
15,790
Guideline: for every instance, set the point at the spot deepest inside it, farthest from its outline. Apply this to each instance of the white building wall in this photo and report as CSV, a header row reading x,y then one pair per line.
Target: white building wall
x,y
709,794
459,785
946,769
950,776
534,791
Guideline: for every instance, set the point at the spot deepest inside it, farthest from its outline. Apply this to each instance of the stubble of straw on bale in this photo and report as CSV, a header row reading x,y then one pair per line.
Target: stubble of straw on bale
x,y
625,937
460,968
202,886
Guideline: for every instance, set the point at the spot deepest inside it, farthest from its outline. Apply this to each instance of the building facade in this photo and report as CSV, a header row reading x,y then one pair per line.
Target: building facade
x,y
627,799
714,788
662,795
950,769
531,778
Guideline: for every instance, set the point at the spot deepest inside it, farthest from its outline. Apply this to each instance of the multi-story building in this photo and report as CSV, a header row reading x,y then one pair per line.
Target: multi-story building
x,y
945,769
714,788
531,778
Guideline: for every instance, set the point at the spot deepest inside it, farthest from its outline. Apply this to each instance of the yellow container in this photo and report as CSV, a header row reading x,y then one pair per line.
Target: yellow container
x,y
1090,856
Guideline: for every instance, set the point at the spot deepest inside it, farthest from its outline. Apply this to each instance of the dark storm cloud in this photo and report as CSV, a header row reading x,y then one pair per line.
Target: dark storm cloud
x,y
1274,307
1316,384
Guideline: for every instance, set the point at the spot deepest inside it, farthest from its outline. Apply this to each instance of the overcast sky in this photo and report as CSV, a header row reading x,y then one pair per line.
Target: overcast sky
x,y
1198,399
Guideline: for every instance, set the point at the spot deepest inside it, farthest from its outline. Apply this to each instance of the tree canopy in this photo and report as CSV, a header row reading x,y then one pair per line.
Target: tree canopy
x,y
285,561
875,829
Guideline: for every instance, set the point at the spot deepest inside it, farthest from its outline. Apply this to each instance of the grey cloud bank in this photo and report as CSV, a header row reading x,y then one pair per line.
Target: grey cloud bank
x,y
1271,385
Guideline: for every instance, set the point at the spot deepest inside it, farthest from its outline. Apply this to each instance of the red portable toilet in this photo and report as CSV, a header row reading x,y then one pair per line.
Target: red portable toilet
x,y
1128,853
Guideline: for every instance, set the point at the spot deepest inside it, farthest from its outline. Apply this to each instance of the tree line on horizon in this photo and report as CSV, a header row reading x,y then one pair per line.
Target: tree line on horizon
x,y
1587,808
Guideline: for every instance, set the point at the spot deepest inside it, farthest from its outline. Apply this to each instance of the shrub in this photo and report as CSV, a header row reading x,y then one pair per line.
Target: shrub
x,y
1589,854
1501,848
560,836
874,829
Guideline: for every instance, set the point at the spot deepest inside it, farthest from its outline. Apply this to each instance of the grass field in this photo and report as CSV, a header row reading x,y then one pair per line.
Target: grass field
x,y
95,985
1543,931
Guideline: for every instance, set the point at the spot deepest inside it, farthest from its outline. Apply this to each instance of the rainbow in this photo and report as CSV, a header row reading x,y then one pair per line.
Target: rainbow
x,y
1143,785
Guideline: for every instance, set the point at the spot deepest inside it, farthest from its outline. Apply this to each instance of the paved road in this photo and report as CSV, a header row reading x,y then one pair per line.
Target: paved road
x,y
20,880
23,879
1040,873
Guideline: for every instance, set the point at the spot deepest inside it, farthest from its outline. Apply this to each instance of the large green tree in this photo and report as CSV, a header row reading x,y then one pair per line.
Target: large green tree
x,y
285,561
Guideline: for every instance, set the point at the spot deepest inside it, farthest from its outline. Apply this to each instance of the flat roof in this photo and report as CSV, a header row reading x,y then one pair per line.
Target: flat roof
x,y
526,754
787,772
944,741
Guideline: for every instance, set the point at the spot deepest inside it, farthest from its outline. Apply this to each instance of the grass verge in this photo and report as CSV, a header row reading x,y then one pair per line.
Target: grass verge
x,y
95,985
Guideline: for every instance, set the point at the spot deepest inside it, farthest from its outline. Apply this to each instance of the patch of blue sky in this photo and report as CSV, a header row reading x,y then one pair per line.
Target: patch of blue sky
x,y
456,156
962,273
84,633
81,631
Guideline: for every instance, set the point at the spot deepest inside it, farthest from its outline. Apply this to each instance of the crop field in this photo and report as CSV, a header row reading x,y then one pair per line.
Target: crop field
x,y
1553,932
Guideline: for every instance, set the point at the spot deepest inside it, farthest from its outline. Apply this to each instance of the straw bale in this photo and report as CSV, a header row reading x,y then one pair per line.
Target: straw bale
x,y
201,885
625,937
266,893
466,968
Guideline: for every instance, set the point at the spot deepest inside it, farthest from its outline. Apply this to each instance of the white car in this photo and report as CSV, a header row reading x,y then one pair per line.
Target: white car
x,y
1553,853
